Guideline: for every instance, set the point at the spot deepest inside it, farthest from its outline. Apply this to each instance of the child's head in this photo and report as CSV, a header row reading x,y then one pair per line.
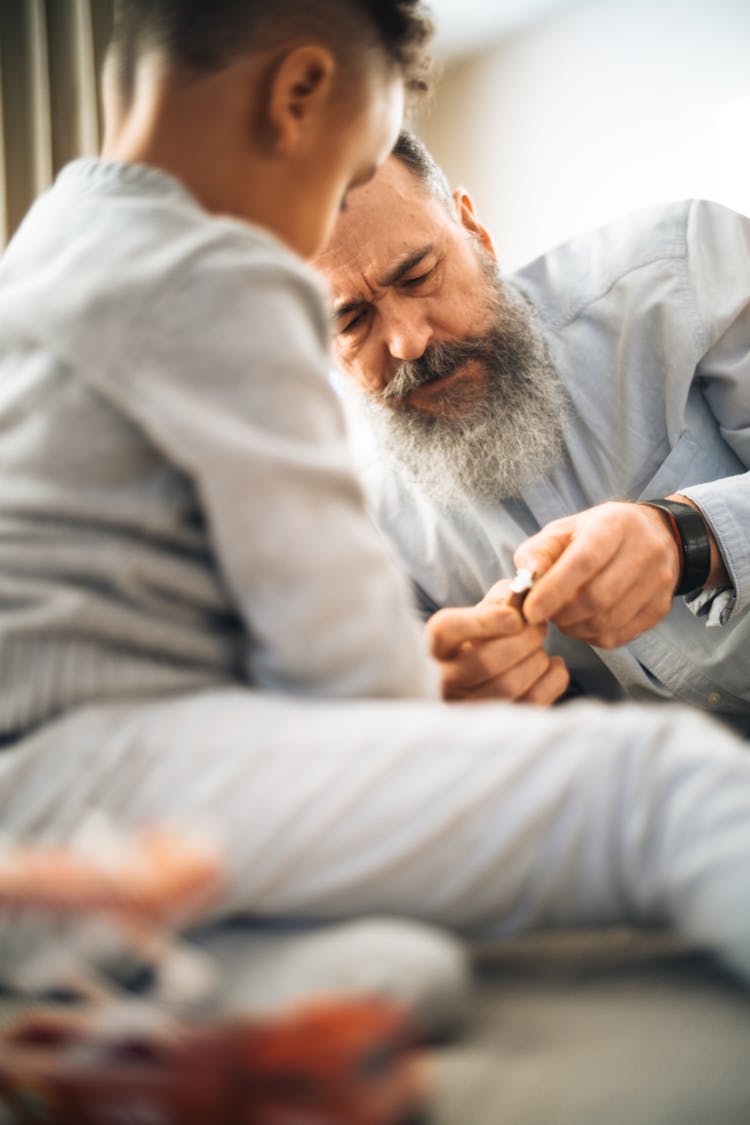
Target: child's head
x,y
268,109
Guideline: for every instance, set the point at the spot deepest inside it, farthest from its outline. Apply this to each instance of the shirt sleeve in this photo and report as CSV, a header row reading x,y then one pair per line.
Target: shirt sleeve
x,y
718,259
233,386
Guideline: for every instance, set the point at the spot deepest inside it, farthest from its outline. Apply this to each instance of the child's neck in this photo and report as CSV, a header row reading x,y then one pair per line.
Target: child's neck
x,y
189,130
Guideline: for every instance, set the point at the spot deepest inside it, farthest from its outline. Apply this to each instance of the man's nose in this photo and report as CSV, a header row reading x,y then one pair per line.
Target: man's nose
x,y
407,333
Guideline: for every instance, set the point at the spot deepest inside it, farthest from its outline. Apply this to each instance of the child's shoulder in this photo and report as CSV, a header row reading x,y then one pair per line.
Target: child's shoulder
x,y
151,225
115,253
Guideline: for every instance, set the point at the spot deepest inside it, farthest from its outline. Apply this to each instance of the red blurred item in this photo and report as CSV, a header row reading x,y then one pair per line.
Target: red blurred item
x,y
343,1062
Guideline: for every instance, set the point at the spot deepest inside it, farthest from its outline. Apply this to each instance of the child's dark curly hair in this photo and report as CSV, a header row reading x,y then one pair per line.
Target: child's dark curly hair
x,y
200,36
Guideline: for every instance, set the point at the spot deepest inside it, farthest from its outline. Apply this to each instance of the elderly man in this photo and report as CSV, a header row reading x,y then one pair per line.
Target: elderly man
x,y
520,418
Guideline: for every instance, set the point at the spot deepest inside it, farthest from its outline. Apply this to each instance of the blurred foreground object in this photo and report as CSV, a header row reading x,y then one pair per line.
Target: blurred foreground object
x,y
65,912
156,877
330,1063
105,900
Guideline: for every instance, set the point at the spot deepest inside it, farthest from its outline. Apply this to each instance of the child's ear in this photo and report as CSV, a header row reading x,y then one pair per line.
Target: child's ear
x,y
300,87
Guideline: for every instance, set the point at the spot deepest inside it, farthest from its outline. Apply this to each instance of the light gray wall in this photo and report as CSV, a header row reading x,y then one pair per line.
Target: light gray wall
x,y
595,111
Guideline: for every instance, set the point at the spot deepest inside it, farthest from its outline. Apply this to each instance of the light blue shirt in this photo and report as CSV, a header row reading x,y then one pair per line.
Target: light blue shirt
x,y
648,321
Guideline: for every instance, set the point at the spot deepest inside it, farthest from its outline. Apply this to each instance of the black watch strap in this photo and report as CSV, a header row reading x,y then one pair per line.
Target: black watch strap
x,y
691,536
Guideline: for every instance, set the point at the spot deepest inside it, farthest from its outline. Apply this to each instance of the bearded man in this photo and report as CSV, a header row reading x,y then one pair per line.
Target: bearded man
x,y
529,421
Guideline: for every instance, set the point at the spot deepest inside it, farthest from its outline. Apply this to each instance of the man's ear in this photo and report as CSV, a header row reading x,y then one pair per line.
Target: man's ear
x,y
299,89
468,219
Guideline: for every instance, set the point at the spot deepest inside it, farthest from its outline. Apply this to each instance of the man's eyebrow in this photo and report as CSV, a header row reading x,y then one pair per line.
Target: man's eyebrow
x,y
404,265
396,272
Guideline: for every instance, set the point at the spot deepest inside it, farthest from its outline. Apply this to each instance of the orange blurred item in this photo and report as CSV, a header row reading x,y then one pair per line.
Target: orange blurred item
x,y
161,877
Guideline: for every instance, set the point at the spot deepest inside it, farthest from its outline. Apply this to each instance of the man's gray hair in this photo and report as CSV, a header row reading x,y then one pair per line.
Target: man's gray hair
x,y
420,162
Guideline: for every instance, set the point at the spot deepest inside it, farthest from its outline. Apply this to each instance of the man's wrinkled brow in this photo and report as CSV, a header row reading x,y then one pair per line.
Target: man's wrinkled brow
x,y
394,275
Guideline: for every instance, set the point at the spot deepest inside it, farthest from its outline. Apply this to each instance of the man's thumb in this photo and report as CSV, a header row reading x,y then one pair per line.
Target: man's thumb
x,y
539,552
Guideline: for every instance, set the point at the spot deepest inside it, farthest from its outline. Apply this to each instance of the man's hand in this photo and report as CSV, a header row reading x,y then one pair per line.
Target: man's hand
x,y
487,651
608,573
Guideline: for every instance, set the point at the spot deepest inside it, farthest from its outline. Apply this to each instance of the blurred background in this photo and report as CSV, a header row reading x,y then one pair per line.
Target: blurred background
x,y
557,115
50,58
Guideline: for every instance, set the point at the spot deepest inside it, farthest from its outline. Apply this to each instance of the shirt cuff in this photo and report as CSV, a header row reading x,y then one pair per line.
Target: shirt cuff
x,y
714,606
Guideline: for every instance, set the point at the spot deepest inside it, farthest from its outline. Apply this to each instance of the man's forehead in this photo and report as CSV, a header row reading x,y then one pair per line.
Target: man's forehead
x,y
384,220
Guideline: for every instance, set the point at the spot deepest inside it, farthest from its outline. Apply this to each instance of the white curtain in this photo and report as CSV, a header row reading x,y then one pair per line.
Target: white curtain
x,y
51,53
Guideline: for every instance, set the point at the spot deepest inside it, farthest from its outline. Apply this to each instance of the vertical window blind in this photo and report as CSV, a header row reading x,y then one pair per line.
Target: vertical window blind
x,y
51,53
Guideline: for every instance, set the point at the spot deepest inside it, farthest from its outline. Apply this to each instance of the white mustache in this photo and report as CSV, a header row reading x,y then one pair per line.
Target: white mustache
x,y
437,361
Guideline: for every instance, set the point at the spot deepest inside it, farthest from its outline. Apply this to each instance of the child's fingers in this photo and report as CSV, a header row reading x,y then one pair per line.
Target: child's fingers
x,y
482,662
449,629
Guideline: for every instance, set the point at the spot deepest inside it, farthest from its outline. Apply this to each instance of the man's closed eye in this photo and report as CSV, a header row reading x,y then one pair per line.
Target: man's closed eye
x,y
415,282
351,325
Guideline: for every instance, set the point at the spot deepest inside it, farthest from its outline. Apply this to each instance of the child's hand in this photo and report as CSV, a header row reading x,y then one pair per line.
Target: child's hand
x,y
487,651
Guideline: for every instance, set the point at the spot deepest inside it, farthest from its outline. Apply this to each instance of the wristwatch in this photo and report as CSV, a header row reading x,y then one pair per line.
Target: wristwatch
x,y
691,537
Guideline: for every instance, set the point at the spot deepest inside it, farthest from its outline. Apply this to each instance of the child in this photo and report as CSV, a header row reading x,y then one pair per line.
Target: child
x,y
187,574
185,519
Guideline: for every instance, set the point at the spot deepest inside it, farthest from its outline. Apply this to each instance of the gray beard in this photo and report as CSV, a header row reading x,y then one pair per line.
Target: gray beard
x,y
487,449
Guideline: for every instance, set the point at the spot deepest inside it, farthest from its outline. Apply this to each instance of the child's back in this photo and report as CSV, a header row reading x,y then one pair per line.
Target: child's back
x,y
176,498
